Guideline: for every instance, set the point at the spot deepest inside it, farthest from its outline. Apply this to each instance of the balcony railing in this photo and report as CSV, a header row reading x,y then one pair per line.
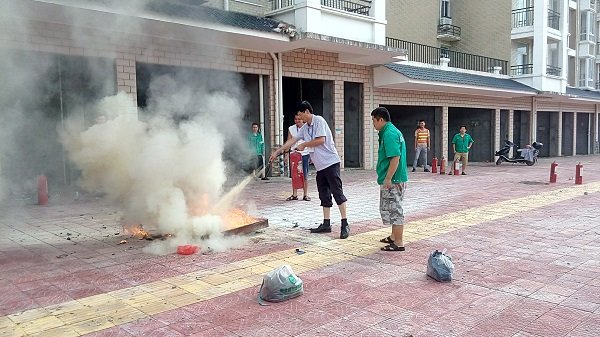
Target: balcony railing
x,y
597,85
446,29
431,55
553,19
277,4
553,71
521,69
522,17
362,7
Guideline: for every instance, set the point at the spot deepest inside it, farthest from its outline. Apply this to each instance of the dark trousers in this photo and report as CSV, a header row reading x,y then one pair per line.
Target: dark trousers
x,y
329,183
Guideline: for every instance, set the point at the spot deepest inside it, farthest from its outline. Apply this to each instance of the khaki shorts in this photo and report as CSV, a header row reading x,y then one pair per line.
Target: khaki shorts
x,y
390,204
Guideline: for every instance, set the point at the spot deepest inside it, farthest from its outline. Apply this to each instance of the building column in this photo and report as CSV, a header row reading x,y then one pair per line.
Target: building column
x,y
126,82
574,134
496,132
560,135
511,128
596,141
533,121
445,133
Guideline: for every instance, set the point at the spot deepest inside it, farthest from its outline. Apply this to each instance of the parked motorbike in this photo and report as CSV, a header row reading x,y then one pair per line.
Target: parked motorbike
x,y
527,155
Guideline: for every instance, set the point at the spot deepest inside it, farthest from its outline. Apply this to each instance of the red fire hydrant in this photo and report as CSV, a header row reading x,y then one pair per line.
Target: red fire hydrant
x,y
434,164
578,177
42,190
443,165
553,174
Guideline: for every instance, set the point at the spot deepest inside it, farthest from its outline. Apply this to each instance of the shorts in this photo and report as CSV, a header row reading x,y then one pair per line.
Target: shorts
x,y
390,204
305,163
329,183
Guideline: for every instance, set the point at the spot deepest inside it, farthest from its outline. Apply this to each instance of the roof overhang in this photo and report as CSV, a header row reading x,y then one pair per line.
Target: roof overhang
x,y
79,14
388,78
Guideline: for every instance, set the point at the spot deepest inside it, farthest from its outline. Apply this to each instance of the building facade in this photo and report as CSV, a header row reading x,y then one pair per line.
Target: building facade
x,y
347,57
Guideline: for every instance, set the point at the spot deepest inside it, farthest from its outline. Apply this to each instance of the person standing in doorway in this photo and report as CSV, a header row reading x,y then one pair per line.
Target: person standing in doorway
x,y
392,176
293,132
422,145
461,144
257,147
318,139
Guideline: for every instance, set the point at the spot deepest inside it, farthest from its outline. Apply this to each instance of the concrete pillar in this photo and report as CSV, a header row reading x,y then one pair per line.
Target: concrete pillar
x,y
511,128
445,133
533,121
560,134
126,82
596,140
497,139
574,134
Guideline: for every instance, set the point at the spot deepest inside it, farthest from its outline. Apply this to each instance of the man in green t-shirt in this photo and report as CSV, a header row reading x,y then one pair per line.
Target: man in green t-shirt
x,y
392,176
461,144
257,148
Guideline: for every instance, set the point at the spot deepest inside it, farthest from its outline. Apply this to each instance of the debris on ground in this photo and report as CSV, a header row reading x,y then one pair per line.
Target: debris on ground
x,y
123,242
187,249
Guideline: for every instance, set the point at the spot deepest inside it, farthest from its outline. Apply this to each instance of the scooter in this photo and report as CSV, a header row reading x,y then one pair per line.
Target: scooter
x,y
528,155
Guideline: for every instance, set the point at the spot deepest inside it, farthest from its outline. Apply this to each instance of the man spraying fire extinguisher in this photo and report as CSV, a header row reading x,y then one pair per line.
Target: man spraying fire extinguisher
x,y
300,165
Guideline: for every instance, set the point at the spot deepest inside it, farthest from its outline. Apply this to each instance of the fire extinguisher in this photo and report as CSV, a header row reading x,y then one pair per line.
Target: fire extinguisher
x,y
578,176
553,174
42,190
443,165
456,168
434,164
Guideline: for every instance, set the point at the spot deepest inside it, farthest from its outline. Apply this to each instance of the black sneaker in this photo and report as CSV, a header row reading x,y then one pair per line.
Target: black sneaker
x,y
321,229
264,178
426,170
345,232
464,174
414,169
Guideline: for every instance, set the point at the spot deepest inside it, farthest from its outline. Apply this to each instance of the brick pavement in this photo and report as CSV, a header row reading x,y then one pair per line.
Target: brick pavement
x,y
526,256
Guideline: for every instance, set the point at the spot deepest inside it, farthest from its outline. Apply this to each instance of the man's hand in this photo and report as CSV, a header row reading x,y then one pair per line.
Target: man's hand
x,y
300,147
273,156
387,183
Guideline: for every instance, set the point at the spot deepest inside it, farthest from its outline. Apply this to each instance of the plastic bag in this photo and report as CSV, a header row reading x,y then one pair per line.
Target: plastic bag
x,y
187,249
280,284
440,266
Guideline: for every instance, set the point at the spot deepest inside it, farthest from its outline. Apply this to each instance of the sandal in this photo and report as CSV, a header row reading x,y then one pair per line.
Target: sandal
x,y
392,247
387,240
306,198
292,197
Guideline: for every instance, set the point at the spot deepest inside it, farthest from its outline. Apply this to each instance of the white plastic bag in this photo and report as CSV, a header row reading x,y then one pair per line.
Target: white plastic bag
x,y
440,266
280,284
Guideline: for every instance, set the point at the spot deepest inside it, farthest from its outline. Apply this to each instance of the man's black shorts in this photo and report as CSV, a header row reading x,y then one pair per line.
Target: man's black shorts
x,y
329,183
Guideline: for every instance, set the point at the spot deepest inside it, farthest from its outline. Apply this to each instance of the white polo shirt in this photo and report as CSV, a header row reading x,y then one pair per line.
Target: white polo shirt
x,y
325,154
294,132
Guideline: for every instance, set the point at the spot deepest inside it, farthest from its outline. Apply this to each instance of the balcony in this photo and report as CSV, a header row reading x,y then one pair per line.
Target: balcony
x,y
449,33
431,55
553,71
597,86
522,17
355,20
587,83
553,19
521,69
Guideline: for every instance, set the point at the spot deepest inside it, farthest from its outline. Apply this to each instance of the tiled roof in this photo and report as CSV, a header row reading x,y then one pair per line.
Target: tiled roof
x,y
195,10
583,93
438,75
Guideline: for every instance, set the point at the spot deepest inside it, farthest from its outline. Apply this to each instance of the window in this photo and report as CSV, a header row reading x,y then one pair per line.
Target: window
x,y
587,26
445,9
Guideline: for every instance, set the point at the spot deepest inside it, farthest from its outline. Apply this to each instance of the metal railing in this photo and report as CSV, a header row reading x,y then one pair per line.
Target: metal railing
x,y
431,55
597,85
521,69
362,7
553,71
522,17
446,29
277,4
553,19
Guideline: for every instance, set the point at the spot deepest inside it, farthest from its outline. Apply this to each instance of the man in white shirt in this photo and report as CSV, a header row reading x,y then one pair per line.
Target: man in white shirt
x,y
318,137
293,132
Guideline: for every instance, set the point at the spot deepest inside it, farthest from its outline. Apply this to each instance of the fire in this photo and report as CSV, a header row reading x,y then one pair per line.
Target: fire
x,y
237,218
136,231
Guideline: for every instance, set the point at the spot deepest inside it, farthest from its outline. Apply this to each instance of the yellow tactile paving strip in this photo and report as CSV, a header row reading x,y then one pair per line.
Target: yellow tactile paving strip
x,y
94,313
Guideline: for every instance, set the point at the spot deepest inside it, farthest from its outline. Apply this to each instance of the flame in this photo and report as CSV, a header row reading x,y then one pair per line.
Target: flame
x,y
237,218
136,231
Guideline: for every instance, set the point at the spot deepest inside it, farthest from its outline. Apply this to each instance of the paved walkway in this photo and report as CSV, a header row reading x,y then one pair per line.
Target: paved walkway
x,y
526,254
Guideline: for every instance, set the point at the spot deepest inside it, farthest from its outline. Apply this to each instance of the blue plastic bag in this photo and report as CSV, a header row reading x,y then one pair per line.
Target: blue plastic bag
x,y
440,266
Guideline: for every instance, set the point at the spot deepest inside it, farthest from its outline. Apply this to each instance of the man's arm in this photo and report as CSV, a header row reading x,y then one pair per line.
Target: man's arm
x,y
428,139
288,144
416,135
315,142
394,162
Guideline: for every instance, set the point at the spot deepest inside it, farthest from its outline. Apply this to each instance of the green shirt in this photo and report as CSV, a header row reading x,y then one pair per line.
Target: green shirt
x,y
461,144
391,144
257,144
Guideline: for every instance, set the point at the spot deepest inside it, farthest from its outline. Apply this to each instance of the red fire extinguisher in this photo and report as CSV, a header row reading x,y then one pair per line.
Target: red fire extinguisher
x,y
443,165
42,190
456,168
434,164
553,174
296,170
578,176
